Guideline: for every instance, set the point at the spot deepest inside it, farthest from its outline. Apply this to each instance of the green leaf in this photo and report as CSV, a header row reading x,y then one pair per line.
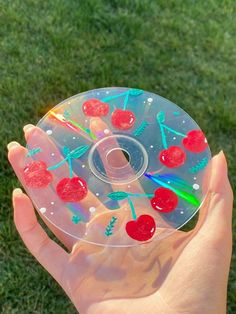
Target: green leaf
x,y
76,219
110,226
33,151
161,117
117,196
66,150
80,151
108,233
135,92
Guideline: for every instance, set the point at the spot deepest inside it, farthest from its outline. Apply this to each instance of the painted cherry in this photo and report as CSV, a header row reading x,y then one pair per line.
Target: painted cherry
x,y
72,190
95,108
164,201
172,157
195,141
36,175
141,229
123,119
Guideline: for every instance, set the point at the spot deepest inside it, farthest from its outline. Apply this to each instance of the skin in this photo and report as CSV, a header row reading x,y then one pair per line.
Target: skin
x,y
186,272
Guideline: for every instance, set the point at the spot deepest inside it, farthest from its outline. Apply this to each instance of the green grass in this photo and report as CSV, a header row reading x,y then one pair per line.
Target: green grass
x,y
50,50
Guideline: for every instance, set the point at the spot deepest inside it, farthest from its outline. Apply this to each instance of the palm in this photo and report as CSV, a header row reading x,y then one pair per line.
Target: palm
x,y
178,277
177,274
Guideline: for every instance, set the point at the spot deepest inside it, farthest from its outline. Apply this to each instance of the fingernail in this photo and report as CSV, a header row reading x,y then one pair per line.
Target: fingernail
x,y
27,127
221,155
17,191
216,156
12,145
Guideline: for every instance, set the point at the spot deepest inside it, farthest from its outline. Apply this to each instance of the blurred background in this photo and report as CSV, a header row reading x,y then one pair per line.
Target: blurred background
x,y
184,51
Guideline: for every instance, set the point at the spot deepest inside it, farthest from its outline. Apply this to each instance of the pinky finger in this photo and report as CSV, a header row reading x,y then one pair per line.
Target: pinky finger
x,y
49,254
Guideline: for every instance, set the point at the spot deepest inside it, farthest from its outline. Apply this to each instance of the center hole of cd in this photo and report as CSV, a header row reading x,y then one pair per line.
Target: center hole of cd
x,y
118,158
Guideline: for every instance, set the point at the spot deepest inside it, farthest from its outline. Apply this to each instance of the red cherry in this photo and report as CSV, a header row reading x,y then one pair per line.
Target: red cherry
x,y
123,119
164,200
141,229
95,108
36,175
172,157
195,141
72,190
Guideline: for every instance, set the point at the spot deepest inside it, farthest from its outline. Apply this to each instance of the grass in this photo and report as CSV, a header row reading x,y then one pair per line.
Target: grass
x,y
50,50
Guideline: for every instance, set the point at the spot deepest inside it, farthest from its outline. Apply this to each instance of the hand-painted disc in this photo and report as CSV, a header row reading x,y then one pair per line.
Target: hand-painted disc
x,y
116,166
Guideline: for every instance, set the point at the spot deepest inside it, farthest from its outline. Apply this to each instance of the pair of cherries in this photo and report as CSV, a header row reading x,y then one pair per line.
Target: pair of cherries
x,y
174,156
143,228
36,176
120,119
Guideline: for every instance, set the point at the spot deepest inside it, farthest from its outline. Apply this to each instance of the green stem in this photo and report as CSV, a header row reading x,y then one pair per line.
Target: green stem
x,y
113,97
69,156
59,164
126,101
163,136
70,167
134,216
173,131
140,195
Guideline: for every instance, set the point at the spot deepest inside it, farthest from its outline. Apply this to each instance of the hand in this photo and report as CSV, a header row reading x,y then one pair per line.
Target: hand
x,y
185,273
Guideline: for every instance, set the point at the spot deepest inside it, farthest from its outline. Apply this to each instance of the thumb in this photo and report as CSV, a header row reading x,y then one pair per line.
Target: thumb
x,y
216,212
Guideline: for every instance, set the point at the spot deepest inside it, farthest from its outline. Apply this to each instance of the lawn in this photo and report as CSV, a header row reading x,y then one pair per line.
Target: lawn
x,y
50,50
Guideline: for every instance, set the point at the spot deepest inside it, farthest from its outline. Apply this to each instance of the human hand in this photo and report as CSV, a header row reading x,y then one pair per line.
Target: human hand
x,y
185,273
